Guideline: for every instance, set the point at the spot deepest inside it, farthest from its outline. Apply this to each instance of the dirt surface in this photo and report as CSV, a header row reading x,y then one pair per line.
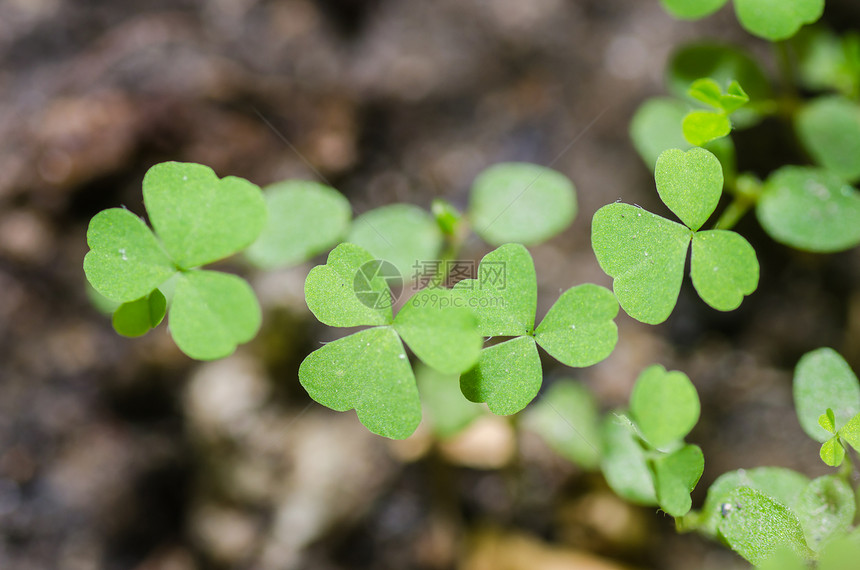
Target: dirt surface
x,y
124,454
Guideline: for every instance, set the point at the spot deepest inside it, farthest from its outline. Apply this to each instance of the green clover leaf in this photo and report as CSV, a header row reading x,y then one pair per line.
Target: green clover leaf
x,y
692,9
690,184
664,405
645,254
756,526
305,218
829,128
507,377
401,234
623,461
675,476
331,290
825,509
776,20
212,313
357,372
199,217
136,318
578,330
504,295
724,268
810,209
781,484
444,336
125,261
567,418
824,381
521,202
367,371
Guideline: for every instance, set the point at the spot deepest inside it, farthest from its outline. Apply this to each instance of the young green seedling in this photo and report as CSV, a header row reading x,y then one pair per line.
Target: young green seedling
x,y
645,459
827,399
646,253
197,219
578,330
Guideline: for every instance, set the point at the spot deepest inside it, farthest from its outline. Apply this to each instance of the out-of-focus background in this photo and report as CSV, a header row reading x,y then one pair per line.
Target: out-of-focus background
x,y
124,454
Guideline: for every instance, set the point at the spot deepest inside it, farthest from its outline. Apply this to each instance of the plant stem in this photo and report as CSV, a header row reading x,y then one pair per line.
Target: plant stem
x,y
733,213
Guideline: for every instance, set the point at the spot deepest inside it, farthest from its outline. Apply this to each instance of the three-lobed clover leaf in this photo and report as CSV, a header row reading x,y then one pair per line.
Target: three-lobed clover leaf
x,y
197,219
578,330
369,370
521,202
305,218
723,64
646,254
810,209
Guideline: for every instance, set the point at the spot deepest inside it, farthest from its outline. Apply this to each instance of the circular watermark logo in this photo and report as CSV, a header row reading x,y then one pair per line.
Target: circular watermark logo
x,y
369,284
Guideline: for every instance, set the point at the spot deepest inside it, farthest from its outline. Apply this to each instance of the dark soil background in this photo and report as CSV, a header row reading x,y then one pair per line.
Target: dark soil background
x,y
124,454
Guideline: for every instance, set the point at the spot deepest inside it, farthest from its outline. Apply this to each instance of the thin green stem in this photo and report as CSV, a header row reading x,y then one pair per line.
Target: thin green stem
x,y
733,213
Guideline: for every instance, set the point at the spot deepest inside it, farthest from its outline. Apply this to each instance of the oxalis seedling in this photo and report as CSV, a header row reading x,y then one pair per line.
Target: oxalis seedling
x,y
646,253
197,219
